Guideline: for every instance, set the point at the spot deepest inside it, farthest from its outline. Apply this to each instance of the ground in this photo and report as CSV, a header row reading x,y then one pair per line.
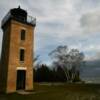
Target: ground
x,y
59,91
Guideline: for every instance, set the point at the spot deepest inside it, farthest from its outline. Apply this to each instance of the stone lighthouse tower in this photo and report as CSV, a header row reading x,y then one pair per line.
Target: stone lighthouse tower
x,y
16,65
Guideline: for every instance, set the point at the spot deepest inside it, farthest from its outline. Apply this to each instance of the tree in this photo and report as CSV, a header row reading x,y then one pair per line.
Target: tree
x,y
42,74
69,60
36,58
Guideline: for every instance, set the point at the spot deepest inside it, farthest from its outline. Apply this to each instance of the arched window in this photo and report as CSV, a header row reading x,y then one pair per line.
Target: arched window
x,y
23,32
22,54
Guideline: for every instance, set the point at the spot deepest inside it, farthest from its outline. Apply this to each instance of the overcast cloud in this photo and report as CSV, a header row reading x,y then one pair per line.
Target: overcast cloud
x,y
67,22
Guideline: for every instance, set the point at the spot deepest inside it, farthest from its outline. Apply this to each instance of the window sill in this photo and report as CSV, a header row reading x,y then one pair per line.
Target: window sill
x,y
21,62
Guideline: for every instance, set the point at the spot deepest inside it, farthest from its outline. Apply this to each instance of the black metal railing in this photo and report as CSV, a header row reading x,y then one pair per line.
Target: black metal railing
x,y
29,20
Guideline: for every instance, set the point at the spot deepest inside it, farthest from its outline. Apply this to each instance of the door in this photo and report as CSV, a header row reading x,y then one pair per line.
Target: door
x,y
21,77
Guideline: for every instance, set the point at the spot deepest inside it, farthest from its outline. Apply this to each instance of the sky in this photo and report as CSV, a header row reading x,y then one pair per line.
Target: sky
x,y
75,23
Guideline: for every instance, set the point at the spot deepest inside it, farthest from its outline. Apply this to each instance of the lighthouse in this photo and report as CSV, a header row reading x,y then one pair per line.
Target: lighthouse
x,y
16,65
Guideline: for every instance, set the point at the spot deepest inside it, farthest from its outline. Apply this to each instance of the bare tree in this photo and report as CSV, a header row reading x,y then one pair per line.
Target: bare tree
x,y
69,60
36,58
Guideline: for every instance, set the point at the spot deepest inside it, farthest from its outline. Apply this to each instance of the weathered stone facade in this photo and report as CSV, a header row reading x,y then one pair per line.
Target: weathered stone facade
x,y
10,62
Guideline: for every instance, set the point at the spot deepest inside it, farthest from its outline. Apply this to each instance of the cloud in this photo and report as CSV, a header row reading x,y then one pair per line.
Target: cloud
x,y
90,22
83,6
61,22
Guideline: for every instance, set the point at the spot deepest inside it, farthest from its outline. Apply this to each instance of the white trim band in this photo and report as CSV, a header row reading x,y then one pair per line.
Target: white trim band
x,y
21,68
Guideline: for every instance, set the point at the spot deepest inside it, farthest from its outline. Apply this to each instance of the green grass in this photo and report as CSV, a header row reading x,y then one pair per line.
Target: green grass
x,y
58,92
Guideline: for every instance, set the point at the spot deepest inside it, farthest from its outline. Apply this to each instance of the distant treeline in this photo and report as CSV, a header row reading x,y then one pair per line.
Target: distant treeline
x,y
65,66
45,74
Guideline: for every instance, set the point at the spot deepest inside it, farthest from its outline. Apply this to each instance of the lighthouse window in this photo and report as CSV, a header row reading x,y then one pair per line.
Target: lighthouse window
x,y
23,34
22,54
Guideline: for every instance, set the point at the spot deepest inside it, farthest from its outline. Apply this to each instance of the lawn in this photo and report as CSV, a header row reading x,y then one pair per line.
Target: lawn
x,y
58,92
